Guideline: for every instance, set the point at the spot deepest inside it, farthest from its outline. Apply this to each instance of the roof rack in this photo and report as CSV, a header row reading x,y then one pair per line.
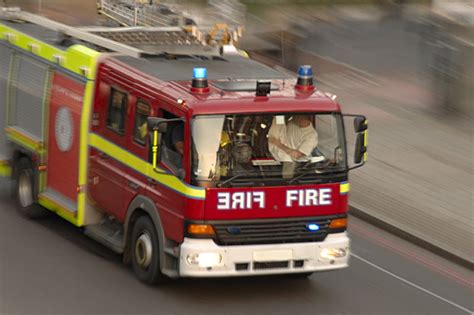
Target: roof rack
x,y
132,41
131,13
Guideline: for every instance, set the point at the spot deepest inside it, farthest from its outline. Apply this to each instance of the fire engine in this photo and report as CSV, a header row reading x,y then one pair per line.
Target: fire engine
x,y
174,152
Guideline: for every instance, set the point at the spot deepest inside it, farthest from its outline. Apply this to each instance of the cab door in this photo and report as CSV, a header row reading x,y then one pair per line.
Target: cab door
x,y
170,202
137,145
108,177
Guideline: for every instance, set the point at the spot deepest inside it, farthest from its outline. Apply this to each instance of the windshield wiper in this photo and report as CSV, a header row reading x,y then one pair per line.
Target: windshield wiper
x,y
329,170
229,180
251,180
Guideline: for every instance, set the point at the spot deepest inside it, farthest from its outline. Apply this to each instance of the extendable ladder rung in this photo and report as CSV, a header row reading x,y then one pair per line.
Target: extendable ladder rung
x,y
134,41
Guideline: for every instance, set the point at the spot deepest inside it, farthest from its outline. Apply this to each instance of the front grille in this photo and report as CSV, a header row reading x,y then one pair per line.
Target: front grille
x,y
270,265
270,231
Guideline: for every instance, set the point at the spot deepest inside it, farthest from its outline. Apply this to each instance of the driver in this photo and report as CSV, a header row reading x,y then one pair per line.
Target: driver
x,y
177,138
293,141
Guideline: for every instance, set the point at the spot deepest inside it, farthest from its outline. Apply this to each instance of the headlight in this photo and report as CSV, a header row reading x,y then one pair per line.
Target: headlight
x,y
332,253
204,260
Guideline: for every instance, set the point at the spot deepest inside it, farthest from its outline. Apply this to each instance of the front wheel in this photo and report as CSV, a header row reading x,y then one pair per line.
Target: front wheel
x,y
145,252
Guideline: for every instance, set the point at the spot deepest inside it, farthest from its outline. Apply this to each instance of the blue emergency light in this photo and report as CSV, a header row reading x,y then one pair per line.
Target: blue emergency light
x,y
200,73
312,227
305,71
305,76
199,78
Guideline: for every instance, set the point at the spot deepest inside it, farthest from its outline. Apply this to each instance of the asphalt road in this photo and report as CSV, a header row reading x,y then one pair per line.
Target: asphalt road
x,y
50,267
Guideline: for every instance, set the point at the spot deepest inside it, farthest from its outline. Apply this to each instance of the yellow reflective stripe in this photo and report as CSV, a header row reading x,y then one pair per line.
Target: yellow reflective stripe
x,y
58,209
78,59
83,148
44,128
145,168
17,136
344,188
5,169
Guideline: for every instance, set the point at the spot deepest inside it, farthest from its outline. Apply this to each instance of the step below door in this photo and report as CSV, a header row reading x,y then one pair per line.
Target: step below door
x,y
63,146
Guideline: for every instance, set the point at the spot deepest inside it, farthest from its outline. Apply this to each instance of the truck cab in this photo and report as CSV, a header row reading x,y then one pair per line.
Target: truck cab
x,y
217,169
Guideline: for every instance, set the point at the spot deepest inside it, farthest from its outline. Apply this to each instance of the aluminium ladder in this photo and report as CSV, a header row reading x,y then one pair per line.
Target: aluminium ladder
x,y
132,41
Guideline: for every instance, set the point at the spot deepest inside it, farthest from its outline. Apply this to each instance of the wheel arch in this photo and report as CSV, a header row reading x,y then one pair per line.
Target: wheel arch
x,y
17,156
142,205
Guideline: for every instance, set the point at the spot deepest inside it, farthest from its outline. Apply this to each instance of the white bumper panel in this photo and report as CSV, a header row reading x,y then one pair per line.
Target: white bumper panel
x,y
262,259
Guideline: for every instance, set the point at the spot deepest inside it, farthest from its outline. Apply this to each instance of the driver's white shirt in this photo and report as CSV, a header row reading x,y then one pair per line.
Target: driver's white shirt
x,y
303,139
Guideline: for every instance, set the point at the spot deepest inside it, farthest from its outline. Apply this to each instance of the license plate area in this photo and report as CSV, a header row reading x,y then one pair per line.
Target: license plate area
x,y
273,255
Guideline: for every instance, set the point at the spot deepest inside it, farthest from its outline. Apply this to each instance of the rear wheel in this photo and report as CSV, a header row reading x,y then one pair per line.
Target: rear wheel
x,y
25,191
145,252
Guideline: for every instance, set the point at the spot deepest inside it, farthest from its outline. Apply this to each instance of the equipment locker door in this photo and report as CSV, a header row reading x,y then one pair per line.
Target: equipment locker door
x,y
5,57
63,147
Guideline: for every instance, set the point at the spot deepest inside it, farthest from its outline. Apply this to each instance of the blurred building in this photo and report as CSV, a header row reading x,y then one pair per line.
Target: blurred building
x,y
450,33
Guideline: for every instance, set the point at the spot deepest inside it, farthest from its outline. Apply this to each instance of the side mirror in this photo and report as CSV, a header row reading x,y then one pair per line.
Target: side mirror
x,y
360,149
157,127
360,124
158,124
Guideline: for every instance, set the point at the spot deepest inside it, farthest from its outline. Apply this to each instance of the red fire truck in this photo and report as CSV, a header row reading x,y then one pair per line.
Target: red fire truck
x,y
190,160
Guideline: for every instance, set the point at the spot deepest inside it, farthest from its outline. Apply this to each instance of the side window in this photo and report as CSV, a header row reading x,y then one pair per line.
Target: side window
x,y
326,126
118,103
140,129
173,144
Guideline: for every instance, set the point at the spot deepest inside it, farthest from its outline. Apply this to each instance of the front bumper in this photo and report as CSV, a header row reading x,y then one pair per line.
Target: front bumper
x,y
263,259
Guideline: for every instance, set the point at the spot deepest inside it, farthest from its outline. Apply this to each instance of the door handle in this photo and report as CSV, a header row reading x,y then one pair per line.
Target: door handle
x,y
152,182
103,156
133,185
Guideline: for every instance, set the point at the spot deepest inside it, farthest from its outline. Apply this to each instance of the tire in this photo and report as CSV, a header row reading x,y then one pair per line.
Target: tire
x,y
145,252
25,191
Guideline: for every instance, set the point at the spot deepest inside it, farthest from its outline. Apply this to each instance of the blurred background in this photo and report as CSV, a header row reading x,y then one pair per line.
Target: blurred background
x,y
407,65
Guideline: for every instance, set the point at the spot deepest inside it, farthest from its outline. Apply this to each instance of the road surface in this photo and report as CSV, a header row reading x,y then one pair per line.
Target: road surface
x,y
50,267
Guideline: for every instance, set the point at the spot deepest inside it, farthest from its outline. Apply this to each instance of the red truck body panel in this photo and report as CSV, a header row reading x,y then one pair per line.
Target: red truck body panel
x,y
63,148
302,202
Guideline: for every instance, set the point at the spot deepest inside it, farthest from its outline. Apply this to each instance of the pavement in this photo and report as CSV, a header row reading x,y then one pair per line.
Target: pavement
x,y
50,267
420,175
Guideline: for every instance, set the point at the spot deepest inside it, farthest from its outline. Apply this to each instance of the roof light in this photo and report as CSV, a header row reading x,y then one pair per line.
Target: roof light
x,y
263,88
199,84
305,78
305,71
200,73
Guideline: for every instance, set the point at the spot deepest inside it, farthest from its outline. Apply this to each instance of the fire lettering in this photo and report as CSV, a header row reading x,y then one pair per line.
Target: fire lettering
x,y
240,200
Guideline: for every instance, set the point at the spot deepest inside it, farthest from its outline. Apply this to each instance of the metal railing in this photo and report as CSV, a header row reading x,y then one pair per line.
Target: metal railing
x,y
221,25
139,15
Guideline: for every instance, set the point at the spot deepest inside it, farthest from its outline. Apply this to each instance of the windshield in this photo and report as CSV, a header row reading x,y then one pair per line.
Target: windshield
x,y
266,148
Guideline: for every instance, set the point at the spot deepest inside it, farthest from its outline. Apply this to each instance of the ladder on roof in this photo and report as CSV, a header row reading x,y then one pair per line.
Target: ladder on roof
x,y
131,13
141,13
132,41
